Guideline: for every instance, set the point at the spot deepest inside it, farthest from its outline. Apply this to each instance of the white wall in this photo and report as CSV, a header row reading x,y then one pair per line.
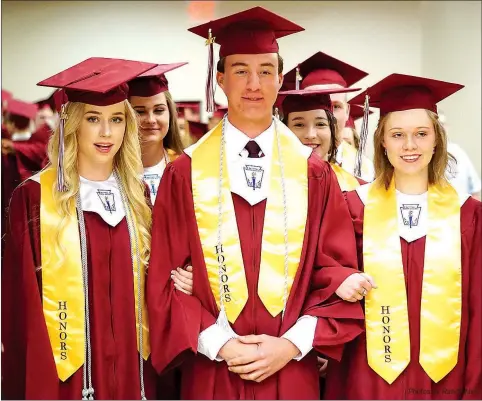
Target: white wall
x,y
451,51
39,38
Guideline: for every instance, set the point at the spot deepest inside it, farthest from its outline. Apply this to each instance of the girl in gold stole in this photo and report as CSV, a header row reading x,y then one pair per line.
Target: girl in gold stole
x,y
309,114
421,242
74,322
158,123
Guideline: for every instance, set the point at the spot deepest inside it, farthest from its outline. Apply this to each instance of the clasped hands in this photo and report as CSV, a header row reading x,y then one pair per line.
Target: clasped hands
x,y
257,357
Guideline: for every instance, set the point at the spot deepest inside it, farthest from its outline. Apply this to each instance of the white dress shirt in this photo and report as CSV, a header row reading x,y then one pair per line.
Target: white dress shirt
x,y
212,339
152,177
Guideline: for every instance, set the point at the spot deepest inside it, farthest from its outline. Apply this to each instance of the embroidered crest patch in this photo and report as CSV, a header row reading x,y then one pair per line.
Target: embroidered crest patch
x,y
410,214
254,176
107,198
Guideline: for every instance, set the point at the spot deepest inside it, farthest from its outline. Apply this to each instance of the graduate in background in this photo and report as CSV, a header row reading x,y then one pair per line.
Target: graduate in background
x,y
217,116
187,110
17,163
420,241
197,130
322,71
309,114
158,126
267,232
74,322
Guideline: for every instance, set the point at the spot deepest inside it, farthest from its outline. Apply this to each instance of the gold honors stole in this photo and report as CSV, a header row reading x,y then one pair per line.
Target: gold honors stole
x,y
348,159
346,181
62,283
205,181
387,327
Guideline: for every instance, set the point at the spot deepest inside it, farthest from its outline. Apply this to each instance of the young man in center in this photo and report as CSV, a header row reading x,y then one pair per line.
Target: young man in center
x,y
267,231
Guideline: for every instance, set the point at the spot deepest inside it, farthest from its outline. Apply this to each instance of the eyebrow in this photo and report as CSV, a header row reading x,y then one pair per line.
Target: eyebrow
x,y
242,64
119,113
298,118
399,128
156,105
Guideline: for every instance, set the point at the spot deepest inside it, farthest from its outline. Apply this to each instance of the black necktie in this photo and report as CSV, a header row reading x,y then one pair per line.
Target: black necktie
x,y
254,151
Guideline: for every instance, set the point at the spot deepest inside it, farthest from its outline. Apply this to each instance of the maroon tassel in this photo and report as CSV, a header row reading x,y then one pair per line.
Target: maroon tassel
x,y
363,137
61,184
210,105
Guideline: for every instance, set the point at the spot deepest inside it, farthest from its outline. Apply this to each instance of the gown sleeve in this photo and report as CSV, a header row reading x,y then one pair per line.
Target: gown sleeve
x,y
339,321
175,319
473,347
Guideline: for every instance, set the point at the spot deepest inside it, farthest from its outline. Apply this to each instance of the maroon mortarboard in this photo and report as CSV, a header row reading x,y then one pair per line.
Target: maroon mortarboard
x,y
398,92
22,109
220,111
6,96
306,99
322,69
197,129
194,105
152,82
356,112
253,31
46,102
97,81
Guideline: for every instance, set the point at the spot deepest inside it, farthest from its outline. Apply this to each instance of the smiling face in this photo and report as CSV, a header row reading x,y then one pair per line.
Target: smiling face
x,y
251,83
341,108
154,117
312,129
410,140
101,133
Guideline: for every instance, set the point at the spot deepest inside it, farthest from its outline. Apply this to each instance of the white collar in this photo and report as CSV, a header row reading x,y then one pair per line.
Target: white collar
x,y
21,136
236,140
412,212
99,197
103,198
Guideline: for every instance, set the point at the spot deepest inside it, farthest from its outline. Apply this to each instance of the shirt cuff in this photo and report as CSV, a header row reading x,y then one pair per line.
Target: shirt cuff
x,y
302,335
211,340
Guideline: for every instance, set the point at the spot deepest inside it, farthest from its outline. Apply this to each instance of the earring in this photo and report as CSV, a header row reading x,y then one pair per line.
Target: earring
x,y
386,152
434,150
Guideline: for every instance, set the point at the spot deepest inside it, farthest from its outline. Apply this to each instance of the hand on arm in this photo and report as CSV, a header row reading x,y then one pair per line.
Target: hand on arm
x,y
355,287
183,279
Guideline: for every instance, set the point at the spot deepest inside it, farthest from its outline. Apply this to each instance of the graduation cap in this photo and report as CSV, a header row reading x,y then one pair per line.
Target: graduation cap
x,y
6,96
219,111
194,105
20,108
308,99
197,129
356,112
322,69
253,31
47,102
98,81
153,81
398,92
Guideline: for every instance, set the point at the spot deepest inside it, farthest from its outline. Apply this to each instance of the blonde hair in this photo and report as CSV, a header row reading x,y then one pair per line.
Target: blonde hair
x,y
127,163
437,166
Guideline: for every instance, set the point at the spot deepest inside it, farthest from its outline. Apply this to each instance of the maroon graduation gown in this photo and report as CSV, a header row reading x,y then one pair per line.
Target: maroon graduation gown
x,y
28,366
354,379
176,319
32,154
